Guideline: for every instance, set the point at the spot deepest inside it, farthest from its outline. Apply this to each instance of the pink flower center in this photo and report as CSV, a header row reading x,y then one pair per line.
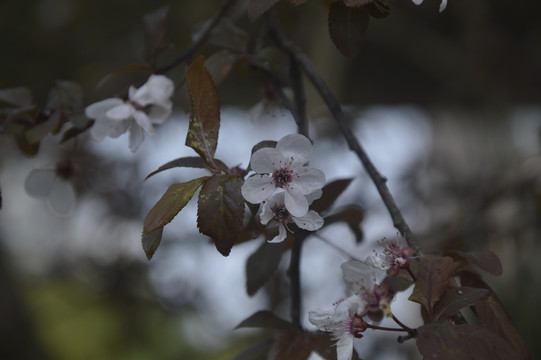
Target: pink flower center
x,y
281,177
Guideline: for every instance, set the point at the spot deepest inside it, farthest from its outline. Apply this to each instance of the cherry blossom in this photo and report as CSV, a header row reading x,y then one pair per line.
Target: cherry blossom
x,y
145,107
395,256
273,211
345,323
283,168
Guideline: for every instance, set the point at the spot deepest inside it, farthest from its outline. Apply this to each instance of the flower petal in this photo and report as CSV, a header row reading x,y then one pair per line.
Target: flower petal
x,y
257,188
98,109
282,234
120,112
296,147
266,214
143,121
344,347
61,198
266,160
295,203
159,114
311,221
307,180
136,137
443,5
40,182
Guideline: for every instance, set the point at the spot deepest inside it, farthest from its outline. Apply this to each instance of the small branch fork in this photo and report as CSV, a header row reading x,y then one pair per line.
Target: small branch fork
x,y
317,81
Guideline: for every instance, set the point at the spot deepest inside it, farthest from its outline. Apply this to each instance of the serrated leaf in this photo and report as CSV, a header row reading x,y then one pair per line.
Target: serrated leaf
x,y
18,96
256,8
331,191
220,211
205,115
169,205
154,27
455,299
290,346
262,265
444,341
151,241
266,320
433,278
348,27
484,260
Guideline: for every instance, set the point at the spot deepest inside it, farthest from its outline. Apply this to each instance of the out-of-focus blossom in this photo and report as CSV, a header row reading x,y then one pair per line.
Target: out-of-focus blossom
x,y
147,106
443,4
395,256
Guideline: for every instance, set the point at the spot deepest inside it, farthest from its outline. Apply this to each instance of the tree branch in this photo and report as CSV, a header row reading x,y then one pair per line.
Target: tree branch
x,y
226,5
336,110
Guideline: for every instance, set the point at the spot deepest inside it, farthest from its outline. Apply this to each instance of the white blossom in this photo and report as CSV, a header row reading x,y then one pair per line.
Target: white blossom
x,y
283,167
273,211
145,107
344,322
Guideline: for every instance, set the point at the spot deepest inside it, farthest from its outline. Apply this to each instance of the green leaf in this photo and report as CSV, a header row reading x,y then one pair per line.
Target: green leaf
x,y
331,192
205,116
262,265
151,241
433,278
220,211
154,25
348,27
455,299
444,341
256,8
169,205
266,320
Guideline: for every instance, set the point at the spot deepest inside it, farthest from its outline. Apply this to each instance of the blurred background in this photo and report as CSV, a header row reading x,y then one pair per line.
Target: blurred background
x,y
446,104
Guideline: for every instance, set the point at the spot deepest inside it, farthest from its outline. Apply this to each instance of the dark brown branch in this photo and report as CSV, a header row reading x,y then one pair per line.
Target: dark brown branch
x,y
187,54
336,110
294,273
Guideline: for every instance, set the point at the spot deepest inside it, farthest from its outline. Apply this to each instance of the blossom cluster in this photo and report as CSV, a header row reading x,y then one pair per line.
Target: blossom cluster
x,y
370,300
284,186
145,107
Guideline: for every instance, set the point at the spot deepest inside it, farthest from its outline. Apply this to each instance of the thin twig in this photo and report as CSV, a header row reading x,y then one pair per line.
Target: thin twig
x,y
336,110
226,5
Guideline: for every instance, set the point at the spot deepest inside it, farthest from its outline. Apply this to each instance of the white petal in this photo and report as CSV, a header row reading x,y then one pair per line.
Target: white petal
x,y
98,109
136,137
377,262
417,2
282,234
107,127
311,221
344,347
443,5
61,198
266,160
266,213
323,319
296,203
307,180
156,91
360,276
40,182
295,146
314,195
143,121
159,114
120,112
257,188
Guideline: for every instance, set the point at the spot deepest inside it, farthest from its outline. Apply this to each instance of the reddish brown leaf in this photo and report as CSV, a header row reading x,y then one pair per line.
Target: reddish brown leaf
x,y
331,192
493,316
151,241
220,63
348,27
290,346
352,215
188,161
266,320
484,260
455,299
443,341
433,277
256,8
220,211
169,205
205,116
262,265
